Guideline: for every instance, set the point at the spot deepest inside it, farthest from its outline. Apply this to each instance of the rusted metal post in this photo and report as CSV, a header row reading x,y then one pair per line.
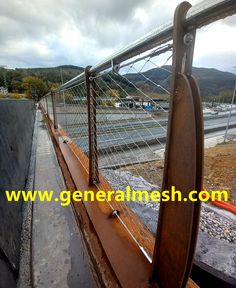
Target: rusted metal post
x,y
54,110
46,101
92,127
41,104
178,221
45,105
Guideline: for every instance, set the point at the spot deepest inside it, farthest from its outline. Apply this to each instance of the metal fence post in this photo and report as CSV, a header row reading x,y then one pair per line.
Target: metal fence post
x,y
44,105
64,108
92,127
54,110
178,221
46,101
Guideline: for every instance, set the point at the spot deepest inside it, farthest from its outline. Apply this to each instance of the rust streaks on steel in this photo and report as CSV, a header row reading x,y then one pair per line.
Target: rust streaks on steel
x,y
130,266
100,264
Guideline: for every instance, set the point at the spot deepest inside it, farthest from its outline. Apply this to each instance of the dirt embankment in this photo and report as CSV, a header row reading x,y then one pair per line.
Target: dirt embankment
x,y
219,169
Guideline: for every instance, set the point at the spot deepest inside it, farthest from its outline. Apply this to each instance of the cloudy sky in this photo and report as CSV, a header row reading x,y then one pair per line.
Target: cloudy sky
x,y
43,33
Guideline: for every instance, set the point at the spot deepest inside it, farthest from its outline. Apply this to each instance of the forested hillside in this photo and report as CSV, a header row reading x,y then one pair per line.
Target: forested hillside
x,y
39,80
214,84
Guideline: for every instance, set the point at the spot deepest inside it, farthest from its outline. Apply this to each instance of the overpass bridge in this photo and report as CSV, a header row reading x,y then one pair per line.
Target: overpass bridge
x,y
105,244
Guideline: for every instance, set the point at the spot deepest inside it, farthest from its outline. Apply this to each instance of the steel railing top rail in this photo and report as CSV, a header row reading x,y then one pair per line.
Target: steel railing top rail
x,y
199,15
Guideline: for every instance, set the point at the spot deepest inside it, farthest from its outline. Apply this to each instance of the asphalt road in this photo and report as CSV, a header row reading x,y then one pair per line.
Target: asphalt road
x,y
115,134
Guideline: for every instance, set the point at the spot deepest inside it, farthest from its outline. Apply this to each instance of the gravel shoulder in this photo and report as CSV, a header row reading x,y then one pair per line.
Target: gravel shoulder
x,y
216,245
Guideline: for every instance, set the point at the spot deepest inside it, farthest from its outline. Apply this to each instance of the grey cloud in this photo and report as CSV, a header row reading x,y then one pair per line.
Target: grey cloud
x,y
104,21
107,21
117,26
104,10
217,60
103,26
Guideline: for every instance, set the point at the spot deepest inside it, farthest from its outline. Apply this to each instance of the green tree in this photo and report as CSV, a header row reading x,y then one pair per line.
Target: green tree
x,y
34,87
113,93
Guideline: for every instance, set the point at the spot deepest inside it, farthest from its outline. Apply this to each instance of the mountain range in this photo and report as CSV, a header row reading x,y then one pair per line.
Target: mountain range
x,y
212,82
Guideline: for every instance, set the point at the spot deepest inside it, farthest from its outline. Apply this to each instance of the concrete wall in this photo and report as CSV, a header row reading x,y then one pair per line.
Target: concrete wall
x,y
16,130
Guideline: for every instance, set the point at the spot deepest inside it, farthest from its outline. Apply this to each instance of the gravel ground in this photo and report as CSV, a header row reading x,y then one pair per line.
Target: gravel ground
x,y
211,222
217,226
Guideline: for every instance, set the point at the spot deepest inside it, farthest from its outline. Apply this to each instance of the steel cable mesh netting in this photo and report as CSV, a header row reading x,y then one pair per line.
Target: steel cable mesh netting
x,y
132,103
132,113
72,116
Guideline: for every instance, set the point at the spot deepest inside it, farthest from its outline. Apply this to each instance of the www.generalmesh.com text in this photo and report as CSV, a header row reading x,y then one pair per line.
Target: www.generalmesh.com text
x,y
65,197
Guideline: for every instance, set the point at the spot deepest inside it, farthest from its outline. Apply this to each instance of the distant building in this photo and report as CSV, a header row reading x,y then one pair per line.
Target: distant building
x,y
160,104
147,104
78,100
130,102
3,91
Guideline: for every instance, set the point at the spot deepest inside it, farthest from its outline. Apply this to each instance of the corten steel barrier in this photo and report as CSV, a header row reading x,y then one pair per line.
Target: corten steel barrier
x,y
105,136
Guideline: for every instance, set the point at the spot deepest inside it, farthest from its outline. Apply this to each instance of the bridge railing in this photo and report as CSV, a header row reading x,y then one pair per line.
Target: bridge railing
x,y
123,117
